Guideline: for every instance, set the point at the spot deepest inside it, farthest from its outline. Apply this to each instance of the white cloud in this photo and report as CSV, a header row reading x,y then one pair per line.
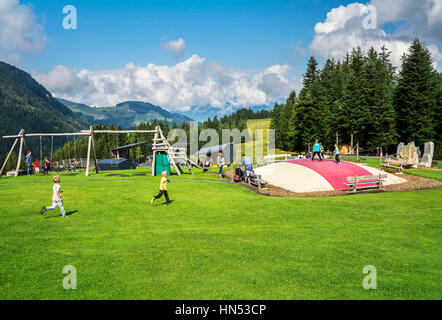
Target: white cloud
x,y
193,82
20,32
178,47
343,29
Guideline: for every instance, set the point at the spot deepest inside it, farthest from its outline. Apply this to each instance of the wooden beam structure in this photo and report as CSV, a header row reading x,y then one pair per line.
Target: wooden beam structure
x,y
10,152
160,144
49,135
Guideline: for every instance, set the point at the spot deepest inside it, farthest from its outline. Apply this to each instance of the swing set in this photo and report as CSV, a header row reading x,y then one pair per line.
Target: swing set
x,y
175,155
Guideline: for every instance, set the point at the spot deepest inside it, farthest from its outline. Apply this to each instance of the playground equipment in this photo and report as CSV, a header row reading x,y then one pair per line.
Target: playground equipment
x,y
175,155
305,175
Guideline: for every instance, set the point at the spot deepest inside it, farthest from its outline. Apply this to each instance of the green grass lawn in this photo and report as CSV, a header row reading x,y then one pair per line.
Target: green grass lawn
x,y
216,241
432,174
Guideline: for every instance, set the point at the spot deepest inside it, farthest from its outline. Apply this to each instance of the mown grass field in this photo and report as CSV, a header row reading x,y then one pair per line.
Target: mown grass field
x,y
216,241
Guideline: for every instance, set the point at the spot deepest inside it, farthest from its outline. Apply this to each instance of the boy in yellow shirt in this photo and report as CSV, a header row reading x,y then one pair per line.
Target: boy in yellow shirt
x,y
163,189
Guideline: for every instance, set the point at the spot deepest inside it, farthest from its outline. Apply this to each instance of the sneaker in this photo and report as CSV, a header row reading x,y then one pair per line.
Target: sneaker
x,y
43,210
153,199
168,203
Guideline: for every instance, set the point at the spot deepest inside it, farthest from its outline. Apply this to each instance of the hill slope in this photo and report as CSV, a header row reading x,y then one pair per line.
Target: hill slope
x,y
25,104
125,114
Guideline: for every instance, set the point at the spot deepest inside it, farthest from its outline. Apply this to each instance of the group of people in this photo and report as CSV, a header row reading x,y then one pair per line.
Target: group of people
x,y
36,165
318,150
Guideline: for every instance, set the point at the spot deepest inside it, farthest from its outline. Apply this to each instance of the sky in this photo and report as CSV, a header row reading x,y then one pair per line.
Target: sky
x,y
190,55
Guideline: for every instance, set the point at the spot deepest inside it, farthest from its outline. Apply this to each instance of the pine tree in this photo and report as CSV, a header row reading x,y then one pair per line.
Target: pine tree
x,y
311,74
308,122
416,96
379,74
353,114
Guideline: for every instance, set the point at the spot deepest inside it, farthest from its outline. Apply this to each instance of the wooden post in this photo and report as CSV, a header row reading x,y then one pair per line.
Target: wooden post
x,y
337,139
7,157
351,143
155,137
20,152
93,148
380,157
41,152
357,151
380,181
89,145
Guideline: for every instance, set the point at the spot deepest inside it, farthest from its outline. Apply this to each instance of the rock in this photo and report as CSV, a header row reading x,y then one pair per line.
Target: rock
x,y
427,158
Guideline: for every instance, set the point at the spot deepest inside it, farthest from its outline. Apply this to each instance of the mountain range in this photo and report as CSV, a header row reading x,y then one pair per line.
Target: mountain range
x,y
126,114
25,104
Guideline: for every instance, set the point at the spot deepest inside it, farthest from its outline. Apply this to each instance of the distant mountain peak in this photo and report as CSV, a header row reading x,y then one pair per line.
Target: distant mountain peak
x,y
125,114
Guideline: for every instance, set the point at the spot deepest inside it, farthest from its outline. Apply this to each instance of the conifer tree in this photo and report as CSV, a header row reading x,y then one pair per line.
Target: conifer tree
x,y
416,96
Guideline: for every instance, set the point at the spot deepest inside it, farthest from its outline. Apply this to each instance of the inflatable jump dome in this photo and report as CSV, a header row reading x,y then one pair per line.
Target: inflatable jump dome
x,y
305,175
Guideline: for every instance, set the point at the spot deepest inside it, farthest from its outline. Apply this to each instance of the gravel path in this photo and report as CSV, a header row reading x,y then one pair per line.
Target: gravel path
x,y
414,183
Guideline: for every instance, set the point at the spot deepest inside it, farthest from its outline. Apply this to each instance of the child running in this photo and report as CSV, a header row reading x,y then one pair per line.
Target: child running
x,y
56,198
163,189
338,161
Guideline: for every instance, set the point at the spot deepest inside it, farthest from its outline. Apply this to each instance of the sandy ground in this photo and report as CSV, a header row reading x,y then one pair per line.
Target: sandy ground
x,y
413,183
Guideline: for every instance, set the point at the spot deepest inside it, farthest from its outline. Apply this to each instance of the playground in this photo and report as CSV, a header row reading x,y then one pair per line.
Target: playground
x,y
238,245
306,233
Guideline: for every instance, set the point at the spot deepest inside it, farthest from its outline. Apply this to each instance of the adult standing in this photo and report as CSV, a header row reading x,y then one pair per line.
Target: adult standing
x,y
221,162
316,150
28,163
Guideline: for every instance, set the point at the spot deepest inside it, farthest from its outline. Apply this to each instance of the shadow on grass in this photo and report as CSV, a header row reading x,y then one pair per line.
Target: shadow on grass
x,y
59,215
162,204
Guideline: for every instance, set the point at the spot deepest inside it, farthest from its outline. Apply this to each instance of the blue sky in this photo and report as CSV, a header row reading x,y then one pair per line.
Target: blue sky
x,y
190,55
245,35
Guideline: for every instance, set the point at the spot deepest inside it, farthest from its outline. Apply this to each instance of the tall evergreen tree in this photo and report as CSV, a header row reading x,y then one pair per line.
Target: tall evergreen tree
x,y
353,115
379,74
416,96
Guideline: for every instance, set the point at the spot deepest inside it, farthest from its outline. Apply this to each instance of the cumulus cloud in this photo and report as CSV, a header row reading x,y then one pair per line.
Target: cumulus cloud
x,y
193,82
343,28
178,47
20,33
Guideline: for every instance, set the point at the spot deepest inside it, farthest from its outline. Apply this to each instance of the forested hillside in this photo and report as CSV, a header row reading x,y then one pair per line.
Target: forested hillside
x,y
365,96
125,114
25,104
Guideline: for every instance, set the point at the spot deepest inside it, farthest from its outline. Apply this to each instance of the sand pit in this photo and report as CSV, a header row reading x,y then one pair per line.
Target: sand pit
x,y
303,175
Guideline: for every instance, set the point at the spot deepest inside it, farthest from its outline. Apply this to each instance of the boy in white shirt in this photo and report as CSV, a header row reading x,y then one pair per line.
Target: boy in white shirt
x,y
56,198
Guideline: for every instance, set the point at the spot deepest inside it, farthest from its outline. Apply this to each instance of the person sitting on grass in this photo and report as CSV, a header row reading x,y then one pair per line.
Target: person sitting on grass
x,y
247,162
163,189
316,150
56,198
221,163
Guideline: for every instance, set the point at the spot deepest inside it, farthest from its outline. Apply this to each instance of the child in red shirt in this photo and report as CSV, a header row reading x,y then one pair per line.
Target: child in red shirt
x,y
36,167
